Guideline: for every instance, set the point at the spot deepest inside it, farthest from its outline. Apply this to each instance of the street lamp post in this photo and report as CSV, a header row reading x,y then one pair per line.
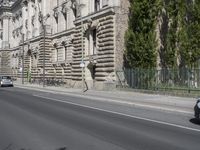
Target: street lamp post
x,y
82,59
80,6
44,44
43,22
22,58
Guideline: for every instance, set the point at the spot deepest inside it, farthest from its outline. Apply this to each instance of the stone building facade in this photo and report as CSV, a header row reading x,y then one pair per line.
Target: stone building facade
x,y
89,32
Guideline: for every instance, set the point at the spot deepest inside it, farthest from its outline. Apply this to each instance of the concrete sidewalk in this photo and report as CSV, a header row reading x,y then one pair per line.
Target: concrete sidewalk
x,y
152,101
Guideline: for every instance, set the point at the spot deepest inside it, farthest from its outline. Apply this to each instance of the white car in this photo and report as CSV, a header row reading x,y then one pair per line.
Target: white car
x,y
6,81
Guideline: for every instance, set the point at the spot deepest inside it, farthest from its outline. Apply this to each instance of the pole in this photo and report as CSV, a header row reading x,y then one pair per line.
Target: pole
x,y
44,44
22,58
82,53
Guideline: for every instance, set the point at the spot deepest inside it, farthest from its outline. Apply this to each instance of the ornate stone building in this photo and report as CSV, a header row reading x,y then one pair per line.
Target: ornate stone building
x,y
88,31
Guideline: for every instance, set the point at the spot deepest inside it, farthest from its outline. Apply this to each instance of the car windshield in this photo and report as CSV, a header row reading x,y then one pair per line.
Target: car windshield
x,y
6,77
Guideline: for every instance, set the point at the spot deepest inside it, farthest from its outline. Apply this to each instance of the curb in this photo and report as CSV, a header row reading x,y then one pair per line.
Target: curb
x,y
108,100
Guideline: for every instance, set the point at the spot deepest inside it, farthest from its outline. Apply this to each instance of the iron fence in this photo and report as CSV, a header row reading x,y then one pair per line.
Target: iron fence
x,y
160,79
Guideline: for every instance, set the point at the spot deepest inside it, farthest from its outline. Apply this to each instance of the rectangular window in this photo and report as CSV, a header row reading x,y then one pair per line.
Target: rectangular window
x,y
91,42
66,21
104,3
94,40
96,5
55,55
65,55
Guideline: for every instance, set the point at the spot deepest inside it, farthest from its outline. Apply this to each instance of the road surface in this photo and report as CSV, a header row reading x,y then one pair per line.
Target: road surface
x,y
35,120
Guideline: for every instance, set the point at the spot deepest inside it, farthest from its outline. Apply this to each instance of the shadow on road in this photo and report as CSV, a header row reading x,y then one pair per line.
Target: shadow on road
x,y
195,121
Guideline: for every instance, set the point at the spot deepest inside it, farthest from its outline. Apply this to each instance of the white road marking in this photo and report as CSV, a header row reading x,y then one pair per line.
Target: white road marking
x,y
119,102
121,114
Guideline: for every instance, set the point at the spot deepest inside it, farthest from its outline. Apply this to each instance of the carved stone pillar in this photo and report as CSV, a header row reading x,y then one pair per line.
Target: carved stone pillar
x,y
1,33
30,13
5,41
65,14
24,16
37,24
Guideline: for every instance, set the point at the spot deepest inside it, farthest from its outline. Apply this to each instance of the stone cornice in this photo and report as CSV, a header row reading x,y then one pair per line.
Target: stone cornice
x,y
67,32
36,39
102,12
6,16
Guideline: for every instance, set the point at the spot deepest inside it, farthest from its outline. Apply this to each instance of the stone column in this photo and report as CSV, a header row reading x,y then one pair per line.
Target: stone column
x,y
65,13
23,18
10,32
1,33
5,31
30,13
37,23
46,7
43,4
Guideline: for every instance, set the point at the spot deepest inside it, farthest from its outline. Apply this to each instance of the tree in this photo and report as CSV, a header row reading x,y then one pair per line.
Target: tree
x,y
140,38
193,31
180,33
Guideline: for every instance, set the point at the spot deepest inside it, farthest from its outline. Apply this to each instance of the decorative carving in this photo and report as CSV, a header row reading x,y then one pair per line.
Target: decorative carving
x,y
13,33
5,3
26,23
13,18
20,13
29,52
71,39
33,20
74,6
94,24
17,16
17,31
64,43
35,51
40,17
64,9
55,45
56,12
90,25
20,29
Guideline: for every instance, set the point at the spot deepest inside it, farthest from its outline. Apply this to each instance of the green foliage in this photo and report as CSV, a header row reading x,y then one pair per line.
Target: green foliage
x,y
181,42
189,35
169,51
193,31
140,38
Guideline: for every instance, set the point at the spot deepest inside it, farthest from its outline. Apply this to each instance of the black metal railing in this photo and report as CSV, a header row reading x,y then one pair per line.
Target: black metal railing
x,y
160,79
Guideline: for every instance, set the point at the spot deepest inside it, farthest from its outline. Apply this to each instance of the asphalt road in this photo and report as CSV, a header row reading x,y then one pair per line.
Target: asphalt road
x,y
39,121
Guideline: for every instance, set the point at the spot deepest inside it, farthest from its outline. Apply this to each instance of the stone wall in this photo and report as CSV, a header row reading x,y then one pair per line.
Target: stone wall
x,y
121,25
63,50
